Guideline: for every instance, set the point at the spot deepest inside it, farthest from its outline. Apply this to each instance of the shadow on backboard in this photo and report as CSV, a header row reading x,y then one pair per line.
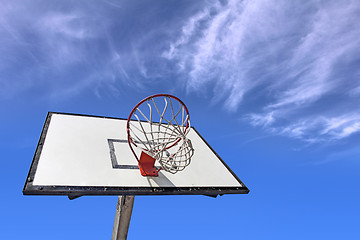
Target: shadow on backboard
x,y
161,180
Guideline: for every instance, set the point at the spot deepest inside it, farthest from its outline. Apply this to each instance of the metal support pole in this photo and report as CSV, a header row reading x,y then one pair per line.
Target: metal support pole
x,y
122,217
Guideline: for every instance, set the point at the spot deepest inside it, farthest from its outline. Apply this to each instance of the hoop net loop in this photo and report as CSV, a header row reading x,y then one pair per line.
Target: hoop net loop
x,y
160,128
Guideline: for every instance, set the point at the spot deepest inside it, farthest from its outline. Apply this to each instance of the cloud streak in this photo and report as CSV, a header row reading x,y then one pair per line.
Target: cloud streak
x,y
58,49
301,59
289,67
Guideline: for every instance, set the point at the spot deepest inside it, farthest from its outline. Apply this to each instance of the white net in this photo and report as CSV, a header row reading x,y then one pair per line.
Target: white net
x,y
162,123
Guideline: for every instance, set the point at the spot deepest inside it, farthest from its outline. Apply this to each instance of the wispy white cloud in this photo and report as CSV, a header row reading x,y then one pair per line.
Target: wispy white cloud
x,y
301,59
329,38
60,49
316,128
355,91
67,25
289,67
263,120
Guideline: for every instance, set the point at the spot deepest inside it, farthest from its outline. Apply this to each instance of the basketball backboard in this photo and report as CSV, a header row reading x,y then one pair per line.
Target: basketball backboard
x,y
89,155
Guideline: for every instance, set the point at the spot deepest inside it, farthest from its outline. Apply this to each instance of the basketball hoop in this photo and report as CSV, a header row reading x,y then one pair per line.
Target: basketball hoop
x,y
159,133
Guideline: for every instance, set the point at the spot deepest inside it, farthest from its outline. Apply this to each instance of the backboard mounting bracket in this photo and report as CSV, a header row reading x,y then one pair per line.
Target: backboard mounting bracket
x,y
146,165
74,196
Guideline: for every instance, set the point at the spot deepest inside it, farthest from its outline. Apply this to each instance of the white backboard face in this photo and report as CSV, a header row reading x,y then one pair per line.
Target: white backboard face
x,y
89,155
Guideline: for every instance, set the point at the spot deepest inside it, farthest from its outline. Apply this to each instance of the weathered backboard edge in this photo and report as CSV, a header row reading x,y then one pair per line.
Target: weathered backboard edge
x,y
76,191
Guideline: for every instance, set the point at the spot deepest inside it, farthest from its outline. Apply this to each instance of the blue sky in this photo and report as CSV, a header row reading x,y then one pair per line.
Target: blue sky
x,y
273,86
